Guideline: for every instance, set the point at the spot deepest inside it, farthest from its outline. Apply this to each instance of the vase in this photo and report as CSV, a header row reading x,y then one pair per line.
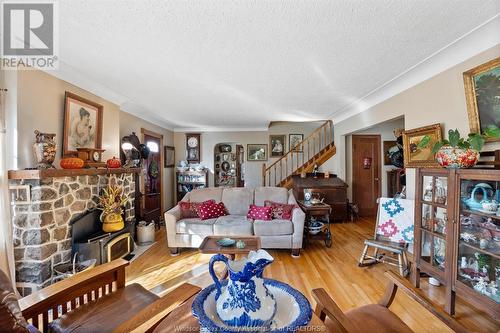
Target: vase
x,y
112,222
244,301
457,158
44,150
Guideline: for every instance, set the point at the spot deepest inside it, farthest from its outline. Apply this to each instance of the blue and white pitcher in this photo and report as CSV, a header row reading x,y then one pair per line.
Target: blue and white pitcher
x,y
244,301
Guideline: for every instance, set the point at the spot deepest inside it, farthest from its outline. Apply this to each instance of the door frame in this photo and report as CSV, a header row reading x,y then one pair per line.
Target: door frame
x,y
144,132
378,138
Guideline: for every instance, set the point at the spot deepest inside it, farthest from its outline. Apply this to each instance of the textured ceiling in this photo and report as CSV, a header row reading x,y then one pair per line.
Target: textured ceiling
x,y
242,64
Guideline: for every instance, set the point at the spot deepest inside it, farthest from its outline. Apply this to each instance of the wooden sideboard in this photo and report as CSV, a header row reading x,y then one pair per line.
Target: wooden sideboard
x,y
333,190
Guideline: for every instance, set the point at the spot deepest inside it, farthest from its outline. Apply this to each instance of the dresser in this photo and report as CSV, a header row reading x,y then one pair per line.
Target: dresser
x,y
333,190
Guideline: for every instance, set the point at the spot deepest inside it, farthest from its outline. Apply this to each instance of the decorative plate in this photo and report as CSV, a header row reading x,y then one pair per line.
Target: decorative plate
x,y
226,242
293,310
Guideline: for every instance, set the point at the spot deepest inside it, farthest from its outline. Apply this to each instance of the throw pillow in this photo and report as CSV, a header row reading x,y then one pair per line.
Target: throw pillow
x,y
259,213
190,209
211,210
280,211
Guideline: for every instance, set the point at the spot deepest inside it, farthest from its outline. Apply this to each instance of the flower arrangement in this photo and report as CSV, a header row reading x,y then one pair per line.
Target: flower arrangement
x,y
112,200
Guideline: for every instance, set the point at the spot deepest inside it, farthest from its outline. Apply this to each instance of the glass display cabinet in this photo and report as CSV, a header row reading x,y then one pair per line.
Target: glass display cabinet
x,y
190,180
477,261
434,204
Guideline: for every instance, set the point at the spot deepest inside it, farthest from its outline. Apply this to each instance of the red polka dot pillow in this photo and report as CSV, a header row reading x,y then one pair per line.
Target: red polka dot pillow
x,y
259,213
211,210
280,211
190,209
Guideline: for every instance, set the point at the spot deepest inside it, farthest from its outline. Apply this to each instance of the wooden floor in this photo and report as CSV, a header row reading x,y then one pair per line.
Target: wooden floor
x,y
334,269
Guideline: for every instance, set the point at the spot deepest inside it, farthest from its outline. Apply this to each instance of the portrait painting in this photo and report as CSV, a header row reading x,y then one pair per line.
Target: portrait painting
x,y
482,92
256,152
277,144
169,161
294,140
82,124
414,156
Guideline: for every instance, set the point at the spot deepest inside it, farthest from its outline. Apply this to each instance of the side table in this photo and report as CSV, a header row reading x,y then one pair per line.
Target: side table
x,y
317,210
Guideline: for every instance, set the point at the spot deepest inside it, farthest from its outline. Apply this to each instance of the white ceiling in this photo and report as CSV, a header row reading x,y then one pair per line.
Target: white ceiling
x,y
241,64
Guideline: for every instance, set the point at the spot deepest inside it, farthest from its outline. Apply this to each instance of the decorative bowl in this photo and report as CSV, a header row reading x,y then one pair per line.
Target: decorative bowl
x,y
226,242
315,227
457,158
293,310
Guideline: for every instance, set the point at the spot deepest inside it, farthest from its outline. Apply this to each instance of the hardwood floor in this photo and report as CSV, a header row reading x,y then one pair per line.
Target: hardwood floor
x,y
334,269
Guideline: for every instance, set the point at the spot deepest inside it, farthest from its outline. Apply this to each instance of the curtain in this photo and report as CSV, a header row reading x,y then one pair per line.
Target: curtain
x,y
6,241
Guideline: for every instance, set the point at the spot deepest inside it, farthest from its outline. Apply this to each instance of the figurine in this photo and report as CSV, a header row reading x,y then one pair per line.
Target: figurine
x,y
483,243
467,237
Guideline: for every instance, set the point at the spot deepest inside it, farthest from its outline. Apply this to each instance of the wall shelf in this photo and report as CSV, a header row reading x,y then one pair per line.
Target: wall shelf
x,y
55,173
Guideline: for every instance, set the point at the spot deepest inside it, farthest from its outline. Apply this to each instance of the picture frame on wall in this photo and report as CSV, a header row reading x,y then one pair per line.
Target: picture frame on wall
x,y
388,145
482,93
169,152
19,194
82,124
294,141
277,144
414,156
257,152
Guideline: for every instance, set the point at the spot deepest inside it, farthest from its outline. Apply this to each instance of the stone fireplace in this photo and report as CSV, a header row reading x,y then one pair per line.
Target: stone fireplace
x,y
42,213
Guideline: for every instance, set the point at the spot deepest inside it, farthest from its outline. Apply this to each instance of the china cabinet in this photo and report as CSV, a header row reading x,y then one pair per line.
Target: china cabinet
x,y
457,234
189,180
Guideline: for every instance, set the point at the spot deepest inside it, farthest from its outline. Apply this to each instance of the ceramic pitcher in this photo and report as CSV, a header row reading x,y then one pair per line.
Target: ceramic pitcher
x,y
244,301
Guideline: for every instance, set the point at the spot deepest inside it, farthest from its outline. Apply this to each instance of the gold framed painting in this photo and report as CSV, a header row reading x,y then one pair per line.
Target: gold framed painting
x,y
482,93
415,157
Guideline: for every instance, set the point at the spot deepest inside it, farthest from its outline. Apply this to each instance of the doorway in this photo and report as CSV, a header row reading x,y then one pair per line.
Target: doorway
x,y
366,168
153,182
229,160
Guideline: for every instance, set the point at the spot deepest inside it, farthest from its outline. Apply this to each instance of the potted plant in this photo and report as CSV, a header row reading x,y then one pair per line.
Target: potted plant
x,y
111,203
458,152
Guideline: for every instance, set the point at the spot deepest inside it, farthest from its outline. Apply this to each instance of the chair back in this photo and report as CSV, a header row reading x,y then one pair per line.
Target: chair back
x,y
11,318
395,220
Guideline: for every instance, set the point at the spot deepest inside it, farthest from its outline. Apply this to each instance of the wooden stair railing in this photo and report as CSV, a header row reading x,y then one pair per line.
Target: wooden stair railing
x,y
317,148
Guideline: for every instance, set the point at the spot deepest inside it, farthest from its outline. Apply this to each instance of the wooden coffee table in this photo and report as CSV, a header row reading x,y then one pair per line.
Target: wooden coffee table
x,y
210,246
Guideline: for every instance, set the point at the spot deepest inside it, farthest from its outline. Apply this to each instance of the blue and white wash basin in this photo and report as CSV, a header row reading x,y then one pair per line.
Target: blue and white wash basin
x,y
293,310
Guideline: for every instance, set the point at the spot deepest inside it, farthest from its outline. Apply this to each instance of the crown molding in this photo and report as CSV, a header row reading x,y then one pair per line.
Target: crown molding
x,y
220,129
472,43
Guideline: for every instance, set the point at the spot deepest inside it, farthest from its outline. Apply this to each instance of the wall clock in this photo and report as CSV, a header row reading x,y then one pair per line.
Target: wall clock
x,y
193,142
91,157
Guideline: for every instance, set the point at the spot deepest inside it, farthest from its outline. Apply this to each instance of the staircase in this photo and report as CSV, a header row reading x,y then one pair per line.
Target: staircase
x,y
317,148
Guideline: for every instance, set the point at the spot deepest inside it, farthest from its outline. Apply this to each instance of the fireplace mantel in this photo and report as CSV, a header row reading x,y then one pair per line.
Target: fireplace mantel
x,y
55,173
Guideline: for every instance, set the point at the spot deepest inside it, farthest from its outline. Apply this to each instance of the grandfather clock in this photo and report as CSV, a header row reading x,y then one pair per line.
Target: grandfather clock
x,y
193,142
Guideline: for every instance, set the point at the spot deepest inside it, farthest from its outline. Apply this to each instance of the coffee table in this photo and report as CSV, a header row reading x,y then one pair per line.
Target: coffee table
x,y
210,246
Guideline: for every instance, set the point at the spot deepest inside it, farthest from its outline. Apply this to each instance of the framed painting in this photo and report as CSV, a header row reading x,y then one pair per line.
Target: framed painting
x,y
294,140
415,157
169,160
277,145
82,124
256,152
388,145
482,93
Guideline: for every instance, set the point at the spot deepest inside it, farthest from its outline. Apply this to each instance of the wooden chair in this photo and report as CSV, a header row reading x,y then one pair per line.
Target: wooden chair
x,y
395,245
377,318
94,300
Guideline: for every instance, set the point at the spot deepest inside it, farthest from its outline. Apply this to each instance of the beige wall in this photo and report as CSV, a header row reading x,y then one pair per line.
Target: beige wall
x,y
130,123
440,99
40,105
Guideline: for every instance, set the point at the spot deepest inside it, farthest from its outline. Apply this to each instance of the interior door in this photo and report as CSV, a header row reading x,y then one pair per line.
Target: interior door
x,y
366,173
153,179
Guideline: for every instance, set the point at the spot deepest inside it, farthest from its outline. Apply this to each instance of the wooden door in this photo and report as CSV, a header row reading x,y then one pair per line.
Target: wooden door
x,y
153,178
366,173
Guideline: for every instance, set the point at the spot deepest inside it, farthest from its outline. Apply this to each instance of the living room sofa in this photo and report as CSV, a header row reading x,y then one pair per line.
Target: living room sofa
x,y
274,234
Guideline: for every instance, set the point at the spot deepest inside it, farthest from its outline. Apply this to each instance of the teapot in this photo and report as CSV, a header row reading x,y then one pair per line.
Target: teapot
x,y
244,301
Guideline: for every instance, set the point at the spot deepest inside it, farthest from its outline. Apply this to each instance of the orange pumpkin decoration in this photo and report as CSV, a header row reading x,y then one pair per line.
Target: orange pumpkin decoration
x,y
71,163
113,163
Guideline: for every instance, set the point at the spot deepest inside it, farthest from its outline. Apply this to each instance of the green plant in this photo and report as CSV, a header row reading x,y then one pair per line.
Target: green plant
x,y
474,141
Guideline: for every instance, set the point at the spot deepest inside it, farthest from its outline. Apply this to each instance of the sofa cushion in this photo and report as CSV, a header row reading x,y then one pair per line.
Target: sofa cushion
x,y
211,210
259,213
195,226
237,200
106,313
233,225
204,194
190,209
280,211
276,194
272,228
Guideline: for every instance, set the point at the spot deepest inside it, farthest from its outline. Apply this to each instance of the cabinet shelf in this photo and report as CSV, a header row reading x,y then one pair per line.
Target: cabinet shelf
x,y
478,249
435,204
479,213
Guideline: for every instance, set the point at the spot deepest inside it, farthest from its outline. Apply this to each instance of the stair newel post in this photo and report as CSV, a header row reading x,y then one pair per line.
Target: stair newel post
x,y
302,149
324,136
263,174
281,170
275,175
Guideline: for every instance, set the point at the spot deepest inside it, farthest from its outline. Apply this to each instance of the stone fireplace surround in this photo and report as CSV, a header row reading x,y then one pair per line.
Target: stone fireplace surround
x,y
42,226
